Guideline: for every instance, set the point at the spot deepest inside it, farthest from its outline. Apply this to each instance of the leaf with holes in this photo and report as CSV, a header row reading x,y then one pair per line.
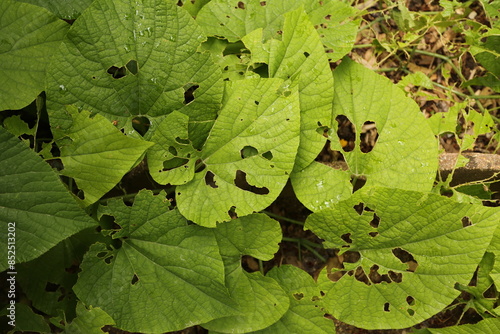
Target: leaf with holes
x,y
35,207
261,300
97,155
172,160
300,54
165,270
29,36
401,249
124,60
304,314
382,135
249,154
234,19
88,321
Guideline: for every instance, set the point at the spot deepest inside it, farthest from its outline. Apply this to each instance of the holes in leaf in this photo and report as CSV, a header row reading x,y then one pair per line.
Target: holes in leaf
x,y
368,137
141,124
241,182
182,141
373,234
248,151
232,212
174,163
109,259
359,208
466,221
360,275
386,307
51,287
256,102
375,221
407,258
410,300
172,150
189,90
209,180
357,181
347,238
132,67
241,5
307,54
117,72
346,133
102,254
351,256
376,277
263,3
323,130
268,155
298,295
328,17
410,312
200,166
395,277
134,280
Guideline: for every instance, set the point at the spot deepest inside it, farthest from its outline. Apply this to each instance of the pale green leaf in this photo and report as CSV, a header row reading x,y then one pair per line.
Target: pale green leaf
x,y
300,54
123,59
88,321
17,126
413,248
258,114
172,160
28,37
33,198
304,316
405,154
98,154
416,79
165,270
233,19
261,300
67,10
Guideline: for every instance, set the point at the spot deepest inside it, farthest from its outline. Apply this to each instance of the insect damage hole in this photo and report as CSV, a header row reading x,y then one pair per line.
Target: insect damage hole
x,y
406,257
134,280
133,67
240,181
387,307
375,221
241,5
347,238
189,90
117,72
368,136
466,221
248,151
346,133
209,180
141,124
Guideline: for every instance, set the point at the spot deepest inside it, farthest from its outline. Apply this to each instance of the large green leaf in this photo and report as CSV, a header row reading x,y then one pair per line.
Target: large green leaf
x,y
122,59
233,19
261,300
33,198
167,275
405,154
67,10
28,37
249,154
407,251
304,315
97,154
300,54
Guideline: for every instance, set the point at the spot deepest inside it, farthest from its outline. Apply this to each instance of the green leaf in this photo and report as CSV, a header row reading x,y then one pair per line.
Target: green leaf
x,y
304,315
89,321
67,10
233,19
172,159
123,59
33,198
169,274
405,154
486,326
26,320
29,36
406,248
300,54
260,113
261,300
56,273
98,155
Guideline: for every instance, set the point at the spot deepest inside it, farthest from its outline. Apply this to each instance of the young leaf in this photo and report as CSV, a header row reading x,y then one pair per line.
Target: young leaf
x,y
35,206
410,248
405,152
123,59
98,154
304,315
29,36
257,235
261,115
165,270
300,54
